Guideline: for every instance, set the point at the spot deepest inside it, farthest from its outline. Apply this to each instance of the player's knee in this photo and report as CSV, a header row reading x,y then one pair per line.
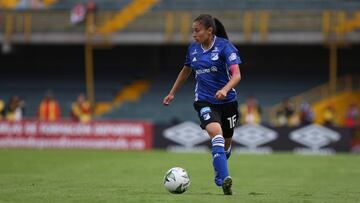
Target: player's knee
x,y
213,129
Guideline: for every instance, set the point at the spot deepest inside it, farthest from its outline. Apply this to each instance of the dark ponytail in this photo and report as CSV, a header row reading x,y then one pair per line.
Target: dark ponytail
x,y
220,29
209,21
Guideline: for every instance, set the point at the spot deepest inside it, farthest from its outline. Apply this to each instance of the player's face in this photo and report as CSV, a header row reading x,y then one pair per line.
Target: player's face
x,y
200,33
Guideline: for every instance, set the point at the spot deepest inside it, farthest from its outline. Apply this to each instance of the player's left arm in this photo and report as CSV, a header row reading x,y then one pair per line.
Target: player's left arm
x,y
232,59
235,79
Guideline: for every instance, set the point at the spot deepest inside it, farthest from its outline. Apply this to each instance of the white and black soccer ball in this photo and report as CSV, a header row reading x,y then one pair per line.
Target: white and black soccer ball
x,y
176,180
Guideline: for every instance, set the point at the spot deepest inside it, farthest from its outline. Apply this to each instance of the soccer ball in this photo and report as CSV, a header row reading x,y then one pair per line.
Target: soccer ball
x,y
176,180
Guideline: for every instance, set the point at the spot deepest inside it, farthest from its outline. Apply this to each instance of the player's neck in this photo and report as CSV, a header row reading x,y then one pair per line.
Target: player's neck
x,y
206,45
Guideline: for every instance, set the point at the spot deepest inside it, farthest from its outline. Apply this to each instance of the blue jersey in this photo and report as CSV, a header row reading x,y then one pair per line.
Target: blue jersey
x,y
211,69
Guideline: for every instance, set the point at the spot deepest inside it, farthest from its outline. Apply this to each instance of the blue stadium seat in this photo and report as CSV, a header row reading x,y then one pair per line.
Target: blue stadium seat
x,y
268,91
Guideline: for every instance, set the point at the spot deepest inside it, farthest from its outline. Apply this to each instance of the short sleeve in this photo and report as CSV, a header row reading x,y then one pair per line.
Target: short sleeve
x,y
231,54
187,58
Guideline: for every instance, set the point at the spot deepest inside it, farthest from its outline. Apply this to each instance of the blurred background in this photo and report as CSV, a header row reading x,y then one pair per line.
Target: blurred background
x,y
112,60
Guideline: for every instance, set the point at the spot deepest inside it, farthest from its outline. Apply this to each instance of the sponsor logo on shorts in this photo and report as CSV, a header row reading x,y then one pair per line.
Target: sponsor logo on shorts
x,y
206,117
205,110
205,113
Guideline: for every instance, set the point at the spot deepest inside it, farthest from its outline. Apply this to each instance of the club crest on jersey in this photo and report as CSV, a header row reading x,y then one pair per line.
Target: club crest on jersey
x,y
214,56
194,59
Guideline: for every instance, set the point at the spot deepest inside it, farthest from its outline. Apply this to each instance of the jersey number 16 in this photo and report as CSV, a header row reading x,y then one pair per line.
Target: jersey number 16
x,y
232,121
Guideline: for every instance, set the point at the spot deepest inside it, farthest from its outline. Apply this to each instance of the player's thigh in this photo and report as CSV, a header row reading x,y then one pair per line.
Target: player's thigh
x,y
229,117
207,114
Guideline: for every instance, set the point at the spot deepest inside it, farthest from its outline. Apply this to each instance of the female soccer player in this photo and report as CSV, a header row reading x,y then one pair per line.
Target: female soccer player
x,y
215,62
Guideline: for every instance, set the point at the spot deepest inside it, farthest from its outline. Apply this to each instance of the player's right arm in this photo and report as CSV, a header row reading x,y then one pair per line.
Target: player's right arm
x,y
182,77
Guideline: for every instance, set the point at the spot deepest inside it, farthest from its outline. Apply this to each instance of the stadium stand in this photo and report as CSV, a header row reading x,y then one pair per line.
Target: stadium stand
x,y
34,72
101,4
247,21
65,89
125,16
255,4
293,22
150,104
342,100
224,4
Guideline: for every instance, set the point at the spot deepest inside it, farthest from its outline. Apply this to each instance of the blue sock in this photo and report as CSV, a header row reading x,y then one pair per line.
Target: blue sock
x,y
219,159
228,152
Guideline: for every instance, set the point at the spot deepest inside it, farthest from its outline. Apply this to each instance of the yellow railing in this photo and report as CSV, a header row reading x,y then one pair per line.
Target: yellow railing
x,y
130,93
126,15
244,26
339,23
339,104
8,3
248,25
48,3
169,26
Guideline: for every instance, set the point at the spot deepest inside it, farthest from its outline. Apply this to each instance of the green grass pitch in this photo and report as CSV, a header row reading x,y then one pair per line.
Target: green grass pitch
x,y
116,176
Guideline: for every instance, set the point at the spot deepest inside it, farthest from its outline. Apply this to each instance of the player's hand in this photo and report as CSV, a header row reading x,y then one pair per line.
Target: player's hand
x,y
168,99
221,94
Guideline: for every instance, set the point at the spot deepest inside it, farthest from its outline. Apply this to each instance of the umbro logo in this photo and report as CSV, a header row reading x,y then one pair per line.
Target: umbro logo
x,y
194,59
315,138
187,135
252,137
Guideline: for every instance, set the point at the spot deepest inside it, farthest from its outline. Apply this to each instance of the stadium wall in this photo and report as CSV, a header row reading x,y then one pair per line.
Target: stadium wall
x,y
179,137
